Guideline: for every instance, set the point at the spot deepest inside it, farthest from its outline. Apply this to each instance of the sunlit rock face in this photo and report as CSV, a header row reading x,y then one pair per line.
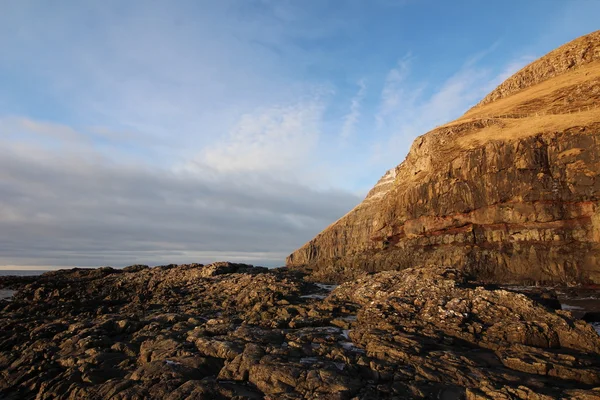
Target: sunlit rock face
x,y
509,191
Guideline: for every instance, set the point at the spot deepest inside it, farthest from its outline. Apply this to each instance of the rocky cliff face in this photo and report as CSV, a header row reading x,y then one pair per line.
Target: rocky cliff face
x,y
508,192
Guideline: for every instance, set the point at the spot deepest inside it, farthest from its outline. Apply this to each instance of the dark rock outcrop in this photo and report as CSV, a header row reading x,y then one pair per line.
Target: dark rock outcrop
x,y
232,331
509,191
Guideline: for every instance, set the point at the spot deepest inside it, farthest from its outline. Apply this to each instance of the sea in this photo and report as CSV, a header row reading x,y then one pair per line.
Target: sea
x,y
6,294
21,272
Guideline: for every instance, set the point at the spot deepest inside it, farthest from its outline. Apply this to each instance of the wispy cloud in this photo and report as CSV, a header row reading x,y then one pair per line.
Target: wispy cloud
x,y
19,127
392,92
270,140
351,119
249,195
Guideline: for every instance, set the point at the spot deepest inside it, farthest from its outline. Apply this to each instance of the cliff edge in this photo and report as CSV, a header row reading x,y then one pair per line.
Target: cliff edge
x,y
508,192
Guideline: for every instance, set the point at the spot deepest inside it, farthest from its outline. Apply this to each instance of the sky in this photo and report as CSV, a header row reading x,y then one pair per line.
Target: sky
x,y
156,132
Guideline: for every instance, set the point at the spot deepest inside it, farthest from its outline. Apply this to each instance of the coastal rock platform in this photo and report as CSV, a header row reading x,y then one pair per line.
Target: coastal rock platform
x,y
233,331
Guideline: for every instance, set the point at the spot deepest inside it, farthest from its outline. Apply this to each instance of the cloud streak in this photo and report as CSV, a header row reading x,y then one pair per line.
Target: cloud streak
x,y
351,119
393,92
276,140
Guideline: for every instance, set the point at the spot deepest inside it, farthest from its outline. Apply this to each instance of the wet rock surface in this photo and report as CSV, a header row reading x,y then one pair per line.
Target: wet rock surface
x,y
233,331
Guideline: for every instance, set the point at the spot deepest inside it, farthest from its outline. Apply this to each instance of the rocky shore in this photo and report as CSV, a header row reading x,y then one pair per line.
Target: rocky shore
x,y
233,331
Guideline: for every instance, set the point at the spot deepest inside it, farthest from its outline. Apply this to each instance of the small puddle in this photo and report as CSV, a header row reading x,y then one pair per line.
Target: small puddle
x,y
6,294
320,296
352,347
308,360
578,306
326,286
313,296
569,307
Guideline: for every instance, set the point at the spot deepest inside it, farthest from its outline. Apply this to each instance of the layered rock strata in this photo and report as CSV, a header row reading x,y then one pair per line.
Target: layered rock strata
x,y
508,192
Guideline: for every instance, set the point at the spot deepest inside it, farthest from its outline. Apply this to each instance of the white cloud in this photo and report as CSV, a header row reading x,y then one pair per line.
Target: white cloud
x,y
169,73
19,127
271,140
351,119
455,96
392,92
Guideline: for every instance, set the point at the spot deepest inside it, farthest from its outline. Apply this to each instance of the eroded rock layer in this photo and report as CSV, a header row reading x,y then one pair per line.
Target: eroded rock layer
x,y
509,191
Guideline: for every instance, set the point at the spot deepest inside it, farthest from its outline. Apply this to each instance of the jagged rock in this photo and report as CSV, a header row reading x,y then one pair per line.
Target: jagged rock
x,y
591,317
177,332
239,368
216,348
448,330
135,268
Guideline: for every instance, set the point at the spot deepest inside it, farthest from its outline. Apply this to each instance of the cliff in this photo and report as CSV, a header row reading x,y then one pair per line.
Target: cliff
x,y
508,192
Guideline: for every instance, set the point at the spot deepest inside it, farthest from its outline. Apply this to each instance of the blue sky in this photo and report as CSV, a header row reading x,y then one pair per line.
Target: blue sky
x,y
192,131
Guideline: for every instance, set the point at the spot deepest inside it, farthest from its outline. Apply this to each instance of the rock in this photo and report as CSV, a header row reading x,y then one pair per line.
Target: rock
x,y
220,268
572,55
447,330
135,268
274,378
216,348
161,348
185,368
591,316
509,191
171,332
239,368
